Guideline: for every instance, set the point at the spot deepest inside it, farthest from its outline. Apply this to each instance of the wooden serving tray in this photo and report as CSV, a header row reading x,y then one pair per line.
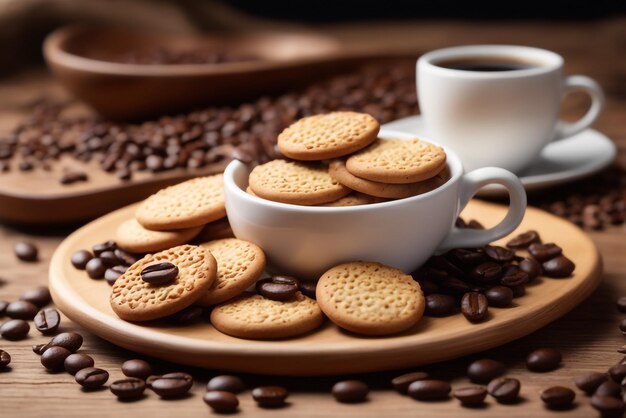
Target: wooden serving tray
x,y
329,350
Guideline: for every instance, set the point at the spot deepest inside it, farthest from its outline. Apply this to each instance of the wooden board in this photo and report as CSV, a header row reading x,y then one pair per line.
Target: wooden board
x,y
325,351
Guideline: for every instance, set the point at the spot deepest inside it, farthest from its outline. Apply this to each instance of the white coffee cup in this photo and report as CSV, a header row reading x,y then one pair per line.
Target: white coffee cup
x,y
499,118
307,240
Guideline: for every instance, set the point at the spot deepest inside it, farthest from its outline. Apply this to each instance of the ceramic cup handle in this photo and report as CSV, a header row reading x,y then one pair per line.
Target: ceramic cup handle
x,y
469,186
588,85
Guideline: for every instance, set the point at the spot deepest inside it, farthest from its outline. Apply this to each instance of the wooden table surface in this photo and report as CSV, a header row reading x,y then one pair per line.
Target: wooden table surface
x,y
588,337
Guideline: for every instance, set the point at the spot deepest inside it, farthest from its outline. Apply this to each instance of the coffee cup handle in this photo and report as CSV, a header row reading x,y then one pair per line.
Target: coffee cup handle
x,y
588,85
469,185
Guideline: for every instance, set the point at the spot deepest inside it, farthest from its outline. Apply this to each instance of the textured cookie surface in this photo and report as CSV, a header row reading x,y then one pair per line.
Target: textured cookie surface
x,y
255,317
354,199
370,298
397,161
192,203
295,183
327,136
338,171
239,264
133,237
133,299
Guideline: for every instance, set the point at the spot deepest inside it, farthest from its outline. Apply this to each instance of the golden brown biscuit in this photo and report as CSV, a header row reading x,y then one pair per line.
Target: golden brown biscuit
x,y
131,236
397,161
326,136
354,199
370,298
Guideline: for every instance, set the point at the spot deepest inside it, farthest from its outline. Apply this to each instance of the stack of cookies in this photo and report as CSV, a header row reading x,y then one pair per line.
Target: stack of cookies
x,y
337,159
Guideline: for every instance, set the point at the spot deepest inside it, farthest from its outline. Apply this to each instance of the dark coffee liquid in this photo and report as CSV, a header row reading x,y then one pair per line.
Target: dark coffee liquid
x,y
486,64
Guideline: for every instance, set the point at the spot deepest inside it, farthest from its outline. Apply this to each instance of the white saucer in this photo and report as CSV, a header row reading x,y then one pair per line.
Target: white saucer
x,y
560,162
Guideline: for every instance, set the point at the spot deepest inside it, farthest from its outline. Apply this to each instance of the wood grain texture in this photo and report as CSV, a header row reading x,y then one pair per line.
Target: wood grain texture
x,y
588,336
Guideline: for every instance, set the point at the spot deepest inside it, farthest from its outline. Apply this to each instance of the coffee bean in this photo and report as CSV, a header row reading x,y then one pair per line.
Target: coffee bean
x,y
499,296
470,395
26,251
439,262
232,384
428,287
514,277
486,272
80,259
440,305
466,258
39,349
618,372
172,385
429,273
608,406
126,258
504,389
558,397
114,273
558,267
77,361
159,273
5,358
401,383
14,329
138,368
280,288
609,388
222,402
128,389
524,240
3,307
499,254
270,396
518,291
474,306
544,252
621,304
485,370
91,378
531,267
429,390
543,360
308,289
350,391
589,382
105,246
68,340
151,379
73,177
454,286
39,296
109,258
187,316
47,320
54,357
96,268
21,309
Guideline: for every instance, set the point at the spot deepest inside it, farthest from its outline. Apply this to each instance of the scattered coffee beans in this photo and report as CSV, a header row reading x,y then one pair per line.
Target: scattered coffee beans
x,y
531,267
76,362
3,307
80,259
14,329
91,378
96,268
232,384
54,358
47,321
618,372
559,266
98,249
159,273
544,252
39,296
440,305
402,382
474,306
609,388
558,397
429,390
350,391
308,289
543,360
504,389
279,288
470,395
270,396
21,309
151,379
221,401
485,370
114,273
172,385
5,358
608,406
140,369
499,296
590,381
524,240
128,389
68,340
39,349
26,251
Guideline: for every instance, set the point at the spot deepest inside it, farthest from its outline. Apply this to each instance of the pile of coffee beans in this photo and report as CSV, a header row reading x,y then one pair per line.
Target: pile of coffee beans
x,y
472,280
31,306
204,138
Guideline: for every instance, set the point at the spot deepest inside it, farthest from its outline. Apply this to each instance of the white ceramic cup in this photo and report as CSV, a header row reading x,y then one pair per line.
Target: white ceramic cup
x,y
501,118
305,241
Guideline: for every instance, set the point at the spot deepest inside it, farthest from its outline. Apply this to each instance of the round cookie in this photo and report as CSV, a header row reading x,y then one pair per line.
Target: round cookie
x,y
255,317
295,183
239,264
133,299
337,170
370,298
354,199
397,161
131,236
192,203
326,136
